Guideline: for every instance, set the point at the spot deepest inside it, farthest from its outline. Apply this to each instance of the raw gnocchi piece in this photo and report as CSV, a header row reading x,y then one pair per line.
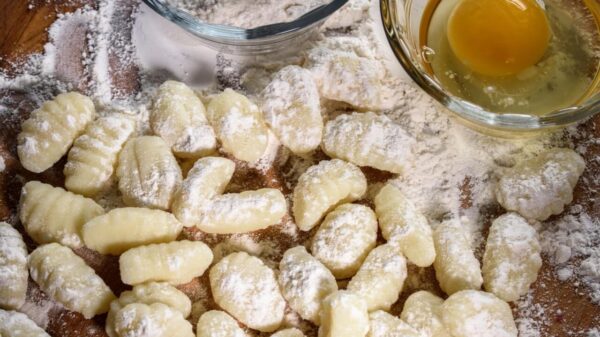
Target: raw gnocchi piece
x,y
368,139
401,223
50,130
423,311
51,214
247,289
153,320
208,178
93,157
380,278
304,282
344,314
472,313
292,332
66,278
239,125
16,324
456,267
512,257
148,173
382,324
177,262
292,108
542,186
322,187
344,239
216,323
178,116
125,228
13,268
243,212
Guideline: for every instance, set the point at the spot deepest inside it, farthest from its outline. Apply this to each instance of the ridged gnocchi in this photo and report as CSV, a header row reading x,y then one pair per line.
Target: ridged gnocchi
x,y
216,323
13,268
239,125
344,314
304,282
177,262
368,139
512,257
344,239
247,289
322,187
93,157
291,332
401,223
291,106
380,278
16,324
65,277
50,130
178,116
382,324
51,214
125,228
148,173
151,320
423,311
542,186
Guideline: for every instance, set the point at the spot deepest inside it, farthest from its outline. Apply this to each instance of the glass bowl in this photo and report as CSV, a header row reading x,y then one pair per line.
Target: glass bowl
x,y
402,21
259,40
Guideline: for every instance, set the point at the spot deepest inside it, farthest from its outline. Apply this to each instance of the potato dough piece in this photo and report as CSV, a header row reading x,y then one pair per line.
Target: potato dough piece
x,y
154,320
66,278
50,130
400,222
344,239
322,187
304,282
512,257
472,313
93,157
456,267
125,228
239,125
383,324
208,178
148,173
380,279
367,139
178,116
542,186
344,314
177,262
292,332
216,323
13,268
247,289
292,108
51,214
423,311
16,324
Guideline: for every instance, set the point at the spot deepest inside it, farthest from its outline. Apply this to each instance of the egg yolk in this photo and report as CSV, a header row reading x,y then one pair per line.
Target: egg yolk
x,y
498,37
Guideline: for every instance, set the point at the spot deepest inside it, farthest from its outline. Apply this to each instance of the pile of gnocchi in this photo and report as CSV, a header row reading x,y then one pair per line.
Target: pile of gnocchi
x,y
107,150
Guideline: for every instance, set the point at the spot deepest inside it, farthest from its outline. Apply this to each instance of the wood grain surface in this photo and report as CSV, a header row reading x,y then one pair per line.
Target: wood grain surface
x,y
568,311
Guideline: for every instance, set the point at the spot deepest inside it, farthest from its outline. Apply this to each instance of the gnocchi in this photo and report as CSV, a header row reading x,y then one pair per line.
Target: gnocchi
x,y
51,214
368,139
423,311
344,239
129,227
50,130
216,323
456,267
382,324
178,116
66,278
380,278
512,257
176,262
13,268
93,157
291,106
304,282
247,289
239,125
400,222
542,186
344,314
148,173
151,320
292,332
16,324
322,187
